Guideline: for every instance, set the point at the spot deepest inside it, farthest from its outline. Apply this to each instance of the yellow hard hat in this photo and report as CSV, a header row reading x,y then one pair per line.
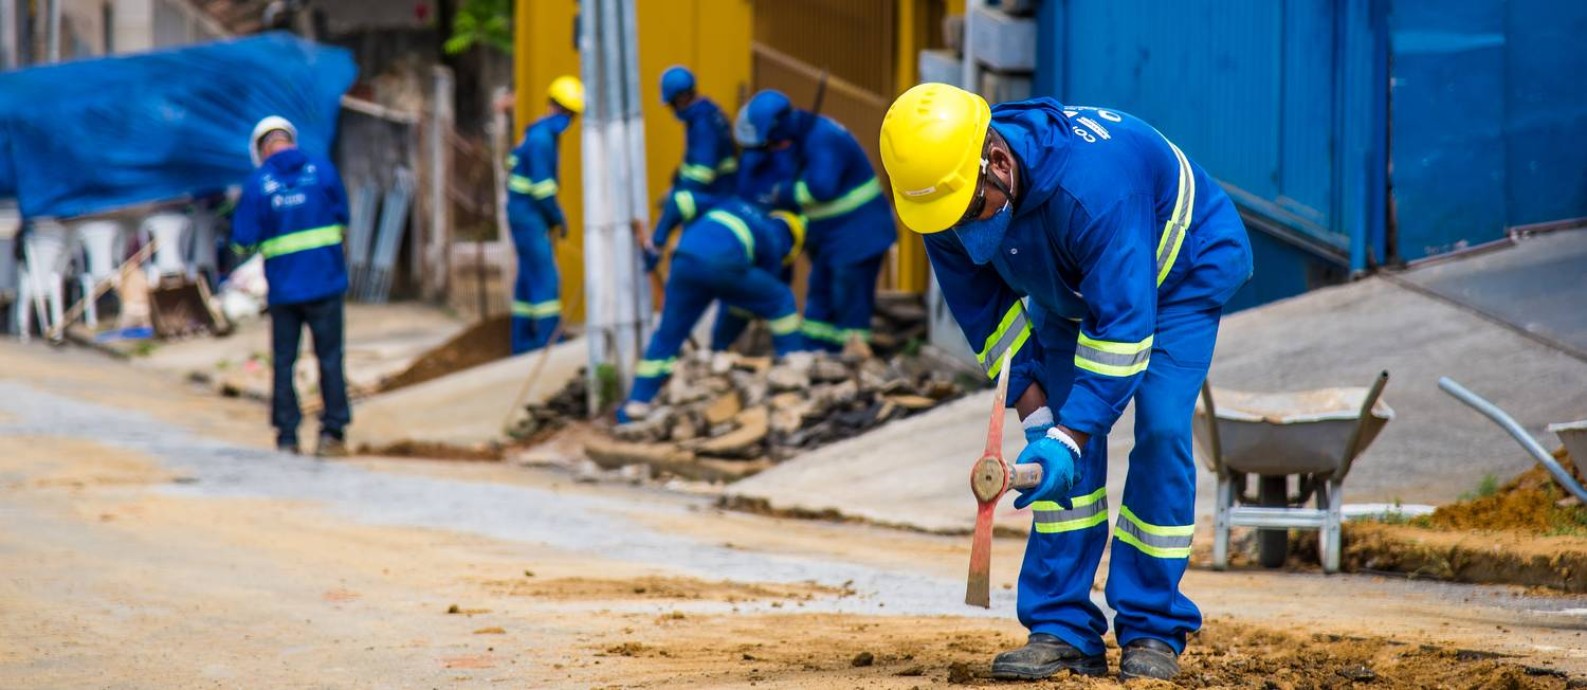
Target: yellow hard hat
x,y
568,92
796,230
931,147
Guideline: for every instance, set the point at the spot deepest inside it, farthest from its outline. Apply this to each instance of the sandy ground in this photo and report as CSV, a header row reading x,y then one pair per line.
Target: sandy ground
x,y
148,541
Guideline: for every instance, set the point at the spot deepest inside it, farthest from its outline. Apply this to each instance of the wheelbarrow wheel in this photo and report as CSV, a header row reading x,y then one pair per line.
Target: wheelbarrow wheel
x,y
1273,544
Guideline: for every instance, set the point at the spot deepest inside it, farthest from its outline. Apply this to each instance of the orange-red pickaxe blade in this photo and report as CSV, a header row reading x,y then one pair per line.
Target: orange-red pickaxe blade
x,y
988,482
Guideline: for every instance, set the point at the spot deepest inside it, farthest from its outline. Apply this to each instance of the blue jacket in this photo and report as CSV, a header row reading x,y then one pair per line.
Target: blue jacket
x,y
532,184
1111,223
761,171
293,210
837,189
726,231
709,159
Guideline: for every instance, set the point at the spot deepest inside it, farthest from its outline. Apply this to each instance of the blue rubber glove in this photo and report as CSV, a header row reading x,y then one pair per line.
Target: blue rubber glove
x,y
1057,457
652,258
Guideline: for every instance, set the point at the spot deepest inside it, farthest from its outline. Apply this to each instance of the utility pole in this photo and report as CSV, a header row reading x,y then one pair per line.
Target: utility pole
x,y
52,39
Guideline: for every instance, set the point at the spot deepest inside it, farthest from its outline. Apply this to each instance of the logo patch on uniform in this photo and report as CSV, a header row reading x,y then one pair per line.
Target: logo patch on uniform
x,y
920,192
1096,127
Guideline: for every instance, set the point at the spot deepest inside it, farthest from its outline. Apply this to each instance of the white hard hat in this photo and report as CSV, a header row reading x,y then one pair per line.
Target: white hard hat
x,y
266,126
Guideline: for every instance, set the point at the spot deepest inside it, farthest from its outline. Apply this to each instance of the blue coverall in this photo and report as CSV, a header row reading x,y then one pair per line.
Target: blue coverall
x,y
729,251
532,213
851,228
758,178
710,162
1108,287
293,210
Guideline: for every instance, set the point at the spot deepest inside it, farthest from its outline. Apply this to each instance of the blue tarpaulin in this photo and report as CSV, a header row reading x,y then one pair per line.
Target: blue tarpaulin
x,y
94,135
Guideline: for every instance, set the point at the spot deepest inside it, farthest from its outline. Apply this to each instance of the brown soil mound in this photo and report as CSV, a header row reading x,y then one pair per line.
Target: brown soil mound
x,y
482,343
821,651
1531,502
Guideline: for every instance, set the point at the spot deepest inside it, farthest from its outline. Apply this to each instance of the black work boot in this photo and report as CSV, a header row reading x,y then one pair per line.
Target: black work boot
x,y
1148,658
332,445
287,443
1043,656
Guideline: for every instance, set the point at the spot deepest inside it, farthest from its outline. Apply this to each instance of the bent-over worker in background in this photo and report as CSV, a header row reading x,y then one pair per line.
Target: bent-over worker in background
x,y
1089,246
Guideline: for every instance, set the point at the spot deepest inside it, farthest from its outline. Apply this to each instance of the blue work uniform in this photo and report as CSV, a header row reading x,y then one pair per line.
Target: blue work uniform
x,y
1108,287
710,163
532,212
293,210
729,251
851,229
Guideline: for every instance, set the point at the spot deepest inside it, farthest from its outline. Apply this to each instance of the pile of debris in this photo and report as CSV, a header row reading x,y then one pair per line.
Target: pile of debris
x,y
724,416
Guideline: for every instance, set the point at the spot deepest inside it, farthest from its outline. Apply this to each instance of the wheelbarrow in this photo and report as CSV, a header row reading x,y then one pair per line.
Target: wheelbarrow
x,y
1313,435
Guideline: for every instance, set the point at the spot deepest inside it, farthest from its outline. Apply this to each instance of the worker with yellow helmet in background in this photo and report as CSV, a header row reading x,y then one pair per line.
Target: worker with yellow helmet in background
x,y
1087,247
533,214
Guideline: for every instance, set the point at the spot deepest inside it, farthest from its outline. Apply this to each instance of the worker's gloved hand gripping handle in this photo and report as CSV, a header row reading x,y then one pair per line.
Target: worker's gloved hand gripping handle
x,y
1056,453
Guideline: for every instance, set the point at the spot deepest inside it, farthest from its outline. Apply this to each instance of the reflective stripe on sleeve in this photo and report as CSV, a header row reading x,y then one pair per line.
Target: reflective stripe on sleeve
x,y
703,174
1010,336
685,203
1178,223
1110,358
1157,541
519,184
537,310
542,189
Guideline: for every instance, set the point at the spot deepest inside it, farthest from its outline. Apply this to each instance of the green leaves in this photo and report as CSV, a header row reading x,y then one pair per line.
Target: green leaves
x,y
487,22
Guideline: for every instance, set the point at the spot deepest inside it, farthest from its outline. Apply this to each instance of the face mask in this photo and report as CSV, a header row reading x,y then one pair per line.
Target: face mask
x,y
983,238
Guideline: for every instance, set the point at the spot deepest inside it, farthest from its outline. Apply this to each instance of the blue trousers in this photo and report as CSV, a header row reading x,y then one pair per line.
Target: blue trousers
x,y
840,300
1151,537
691,287
536,305
324,320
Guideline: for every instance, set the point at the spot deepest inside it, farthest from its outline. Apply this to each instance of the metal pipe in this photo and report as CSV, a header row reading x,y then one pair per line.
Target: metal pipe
x,y
1354,446
1508,423
619,260
52,36
640,187
594,199
9,35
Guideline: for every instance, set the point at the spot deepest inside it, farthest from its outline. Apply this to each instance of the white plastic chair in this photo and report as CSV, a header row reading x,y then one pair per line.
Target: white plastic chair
x,y
173,231
46,250
102,242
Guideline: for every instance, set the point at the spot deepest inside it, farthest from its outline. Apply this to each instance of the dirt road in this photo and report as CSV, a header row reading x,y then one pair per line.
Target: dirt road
x,y
149,540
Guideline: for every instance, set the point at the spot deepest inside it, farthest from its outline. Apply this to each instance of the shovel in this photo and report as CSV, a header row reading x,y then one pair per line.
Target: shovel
x,y
990,478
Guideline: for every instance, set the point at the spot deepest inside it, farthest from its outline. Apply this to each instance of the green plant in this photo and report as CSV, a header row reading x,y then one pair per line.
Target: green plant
x,y
1485,488
487,22
607,386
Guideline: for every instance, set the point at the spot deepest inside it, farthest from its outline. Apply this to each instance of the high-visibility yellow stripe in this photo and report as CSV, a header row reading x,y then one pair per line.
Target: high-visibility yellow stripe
x,y
1010,336
1157,541
821,330
1111,358
1148,549
849,201
703,174
537,310
512,161
651,368
1159,530
1088,511
519,184
1178,224
738,226
543,189
727,166
301,241
784,325
685,202
1077,501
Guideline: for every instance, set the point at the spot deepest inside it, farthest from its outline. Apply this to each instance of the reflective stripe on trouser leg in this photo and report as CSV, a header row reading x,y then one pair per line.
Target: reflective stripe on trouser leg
x,y
537,306
1061,564
1151,540
854,299
764,295
686,301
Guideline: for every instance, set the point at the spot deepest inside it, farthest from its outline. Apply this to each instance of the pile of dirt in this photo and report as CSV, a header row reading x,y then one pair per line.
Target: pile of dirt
x,y
816,650
482,343
747,409
1532,502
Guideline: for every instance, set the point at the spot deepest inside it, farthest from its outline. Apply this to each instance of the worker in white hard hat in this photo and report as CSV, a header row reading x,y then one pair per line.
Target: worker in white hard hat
x,y
534,215
293,210
1090,250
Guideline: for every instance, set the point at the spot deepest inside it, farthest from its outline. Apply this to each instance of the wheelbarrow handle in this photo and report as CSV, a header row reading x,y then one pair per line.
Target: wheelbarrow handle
x,y
1353,448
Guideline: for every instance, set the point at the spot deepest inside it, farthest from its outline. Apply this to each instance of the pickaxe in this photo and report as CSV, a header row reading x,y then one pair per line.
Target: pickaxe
x,y
990,478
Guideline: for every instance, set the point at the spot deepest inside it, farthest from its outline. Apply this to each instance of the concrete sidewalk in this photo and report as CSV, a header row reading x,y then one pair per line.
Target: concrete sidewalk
x,y
915,473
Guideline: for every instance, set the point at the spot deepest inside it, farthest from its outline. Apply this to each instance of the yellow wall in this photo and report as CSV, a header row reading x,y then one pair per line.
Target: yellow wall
x,y
711,37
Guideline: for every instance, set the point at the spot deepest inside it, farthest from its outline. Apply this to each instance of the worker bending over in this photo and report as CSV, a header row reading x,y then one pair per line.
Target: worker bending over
x,y
832,184
731,251
1092,249
533,214
293,210
710,162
